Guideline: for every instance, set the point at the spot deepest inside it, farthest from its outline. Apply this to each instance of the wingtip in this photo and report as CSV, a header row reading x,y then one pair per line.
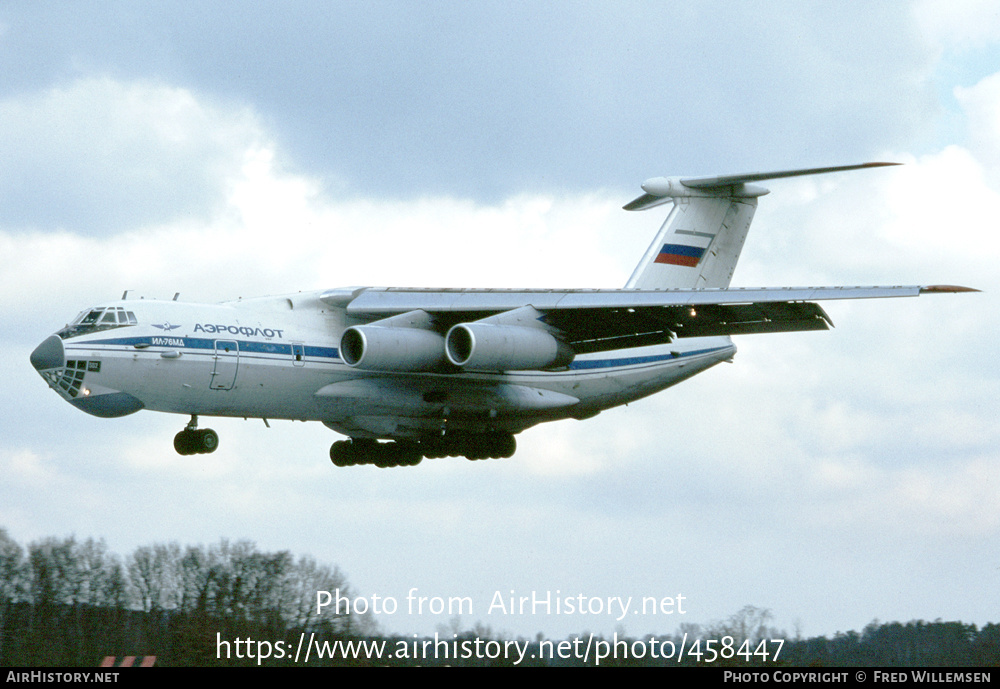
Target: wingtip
x,y
880,164
946,289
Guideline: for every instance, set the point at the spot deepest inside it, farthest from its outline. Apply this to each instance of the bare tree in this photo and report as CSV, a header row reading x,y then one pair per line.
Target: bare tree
x,y
155,574
749,624
13,571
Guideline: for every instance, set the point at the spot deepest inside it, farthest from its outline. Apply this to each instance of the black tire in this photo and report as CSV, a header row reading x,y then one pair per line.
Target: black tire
x,y
364,451
505,446
208,441
408,454
184,443
340,454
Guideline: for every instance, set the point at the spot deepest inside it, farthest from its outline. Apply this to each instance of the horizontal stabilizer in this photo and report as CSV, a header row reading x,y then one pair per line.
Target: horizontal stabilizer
x,y
660,190
730,180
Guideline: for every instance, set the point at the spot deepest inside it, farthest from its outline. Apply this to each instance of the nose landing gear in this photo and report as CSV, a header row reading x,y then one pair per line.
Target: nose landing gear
x,y
192,441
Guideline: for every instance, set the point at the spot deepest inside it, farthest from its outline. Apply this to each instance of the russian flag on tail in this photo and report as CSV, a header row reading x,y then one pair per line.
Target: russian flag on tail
x,y
680,255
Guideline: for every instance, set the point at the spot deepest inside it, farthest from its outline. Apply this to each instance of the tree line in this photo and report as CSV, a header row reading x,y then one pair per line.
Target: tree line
x,y
65,601
69,602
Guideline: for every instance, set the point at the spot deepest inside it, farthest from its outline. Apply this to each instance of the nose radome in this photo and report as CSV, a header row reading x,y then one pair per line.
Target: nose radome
x,y
49,354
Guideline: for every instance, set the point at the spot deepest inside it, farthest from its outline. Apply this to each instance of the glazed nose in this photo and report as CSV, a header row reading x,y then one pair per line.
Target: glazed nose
x,y
49,354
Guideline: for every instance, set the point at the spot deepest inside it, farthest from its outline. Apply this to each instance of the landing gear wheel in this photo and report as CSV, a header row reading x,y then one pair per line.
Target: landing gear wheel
x,y
194,442
408,454
340,453
345,453
208,441
184,443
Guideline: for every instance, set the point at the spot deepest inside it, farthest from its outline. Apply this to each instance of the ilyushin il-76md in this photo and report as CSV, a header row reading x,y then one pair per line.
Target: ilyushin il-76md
x,y
409,373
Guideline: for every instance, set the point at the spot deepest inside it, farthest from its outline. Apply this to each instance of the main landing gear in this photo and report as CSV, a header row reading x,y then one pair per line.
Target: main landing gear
x,y
191,441
345,453
470,445
356,451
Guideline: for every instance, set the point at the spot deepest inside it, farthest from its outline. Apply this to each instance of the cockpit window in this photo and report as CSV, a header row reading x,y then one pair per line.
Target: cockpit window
x,y
94,320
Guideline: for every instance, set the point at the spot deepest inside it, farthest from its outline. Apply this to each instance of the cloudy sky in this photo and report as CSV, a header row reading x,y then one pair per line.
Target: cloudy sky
x,y
228,149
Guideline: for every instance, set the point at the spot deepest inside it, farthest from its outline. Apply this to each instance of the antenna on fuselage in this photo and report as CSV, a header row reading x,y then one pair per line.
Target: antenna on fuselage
x,y
125,294
176,294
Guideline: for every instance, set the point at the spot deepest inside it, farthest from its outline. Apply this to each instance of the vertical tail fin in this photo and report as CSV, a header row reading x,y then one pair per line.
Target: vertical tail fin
x,y
698,245
701,240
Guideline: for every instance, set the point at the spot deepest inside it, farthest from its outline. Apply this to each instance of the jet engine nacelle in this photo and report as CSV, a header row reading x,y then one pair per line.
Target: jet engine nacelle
x,y
488,347
380,348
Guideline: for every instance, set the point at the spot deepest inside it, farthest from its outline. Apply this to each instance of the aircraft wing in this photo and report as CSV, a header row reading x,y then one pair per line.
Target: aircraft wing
x,y
602,320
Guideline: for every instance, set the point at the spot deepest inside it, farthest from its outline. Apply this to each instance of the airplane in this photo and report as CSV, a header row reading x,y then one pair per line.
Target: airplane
x,y
414,373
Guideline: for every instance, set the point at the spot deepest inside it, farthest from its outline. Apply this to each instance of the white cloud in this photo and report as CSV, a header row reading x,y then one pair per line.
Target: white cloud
x,y
100,156
27,467
981,106
959,23
276,236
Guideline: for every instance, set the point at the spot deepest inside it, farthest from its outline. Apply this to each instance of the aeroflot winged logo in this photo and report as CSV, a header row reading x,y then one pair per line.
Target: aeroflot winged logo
x,y
165,326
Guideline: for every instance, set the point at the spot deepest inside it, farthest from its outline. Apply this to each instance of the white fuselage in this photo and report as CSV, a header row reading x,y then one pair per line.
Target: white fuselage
x,y
277,358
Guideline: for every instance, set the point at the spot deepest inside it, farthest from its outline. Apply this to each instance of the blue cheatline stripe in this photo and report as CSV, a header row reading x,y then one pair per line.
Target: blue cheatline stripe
x,y
322,352
633,360
317,352
246,346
